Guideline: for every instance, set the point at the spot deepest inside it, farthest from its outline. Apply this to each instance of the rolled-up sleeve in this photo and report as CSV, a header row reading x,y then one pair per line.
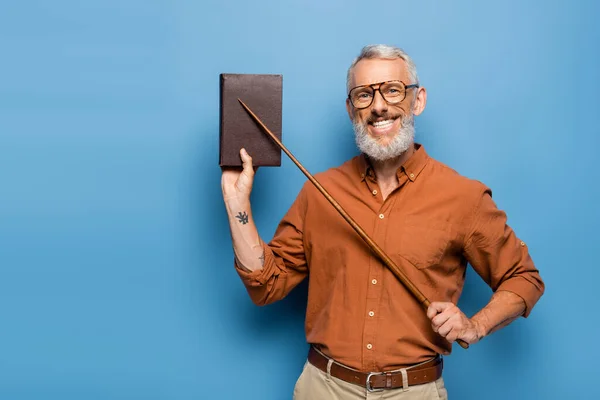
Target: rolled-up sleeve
x,y
285,261
499,256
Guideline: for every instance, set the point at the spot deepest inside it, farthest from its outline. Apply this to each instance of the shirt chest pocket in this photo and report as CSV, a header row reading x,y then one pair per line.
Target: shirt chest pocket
x,y
423,245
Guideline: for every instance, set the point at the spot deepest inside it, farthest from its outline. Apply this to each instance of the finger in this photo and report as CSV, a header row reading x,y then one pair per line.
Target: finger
x,y
452,336
447,329
451,314
457,332
450,310
436,307
440,320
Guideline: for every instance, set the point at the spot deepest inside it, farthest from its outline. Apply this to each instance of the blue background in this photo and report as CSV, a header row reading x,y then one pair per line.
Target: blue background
x,y
116,276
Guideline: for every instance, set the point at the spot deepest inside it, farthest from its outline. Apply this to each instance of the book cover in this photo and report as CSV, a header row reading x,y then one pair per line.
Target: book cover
x,y
262,93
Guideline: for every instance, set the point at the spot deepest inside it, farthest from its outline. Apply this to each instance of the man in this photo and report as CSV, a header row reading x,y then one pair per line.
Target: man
x,y
367,333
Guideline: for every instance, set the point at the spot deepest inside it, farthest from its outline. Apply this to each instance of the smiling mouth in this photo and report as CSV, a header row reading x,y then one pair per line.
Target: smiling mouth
x,y
382,127
383,124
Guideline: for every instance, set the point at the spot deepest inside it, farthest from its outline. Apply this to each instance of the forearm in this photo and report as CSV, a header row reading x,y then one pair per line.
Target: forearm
x,y
247,244
503,308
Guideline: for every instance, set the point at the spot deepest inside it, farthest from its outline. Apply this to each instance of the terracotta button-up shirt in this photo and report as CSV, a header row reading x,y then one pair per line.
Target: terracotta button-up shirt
x,y
431,226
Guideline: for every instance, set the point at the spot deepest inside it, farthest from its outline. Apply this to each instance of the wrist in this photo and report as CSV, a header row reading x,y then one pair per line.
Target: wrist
x,y
480,328
235,202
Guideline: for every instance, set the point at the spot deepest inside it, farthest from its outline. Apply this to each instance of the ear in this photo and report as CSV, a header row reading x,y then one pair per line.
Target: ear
x,y
350,110
420,101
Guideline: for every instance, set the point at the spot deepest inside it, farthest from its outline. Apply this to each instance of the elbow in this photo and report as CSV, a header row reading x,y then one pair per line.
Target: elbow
x,y
261,298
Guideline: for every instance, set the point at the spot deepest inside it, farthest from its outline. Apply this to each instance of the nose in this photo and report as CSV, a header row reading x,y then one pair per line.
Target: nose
x,y
379,105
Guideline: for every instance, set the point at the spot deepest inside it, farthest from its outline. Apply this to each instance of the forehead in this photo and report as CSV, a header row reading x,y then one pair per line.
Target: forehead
x,y
369,71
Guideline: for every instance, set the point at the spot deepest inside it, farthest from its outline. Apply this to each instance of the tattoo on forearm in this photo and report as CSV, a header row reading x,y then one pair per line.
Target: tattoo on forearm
x,y
242,217
262,259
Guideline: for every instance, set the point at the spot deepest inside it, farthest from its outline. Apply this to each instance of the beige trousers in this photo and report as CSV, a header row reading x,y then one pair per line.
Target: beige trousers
x,y
314,384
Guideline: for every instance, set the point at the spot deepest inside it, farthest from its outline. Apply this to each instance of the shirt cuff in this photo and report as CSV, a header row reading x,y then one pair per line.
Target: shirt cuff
x,y
525,289
260,276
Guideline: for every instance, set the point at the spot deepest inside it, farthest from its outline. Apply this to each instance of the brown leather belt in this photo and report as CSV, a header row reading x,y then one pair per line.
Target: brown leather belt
x,y
426,372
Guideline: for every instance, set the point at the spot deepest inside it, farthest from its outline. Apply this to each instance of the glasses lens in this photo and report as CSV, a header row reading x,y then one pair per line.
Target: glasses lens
x,y
393,92
361,97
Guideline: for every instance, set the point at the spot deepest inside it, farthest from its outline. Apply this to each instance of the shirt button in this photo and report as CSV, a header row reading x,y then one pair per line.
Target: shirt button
x,y
374,192
374,281
412,176
371,313
381,216
369,346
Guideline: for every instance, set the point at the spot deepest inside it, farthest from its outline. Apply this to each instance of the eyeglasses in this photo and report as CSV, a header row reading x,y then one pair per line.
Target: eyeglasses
x,y
392,91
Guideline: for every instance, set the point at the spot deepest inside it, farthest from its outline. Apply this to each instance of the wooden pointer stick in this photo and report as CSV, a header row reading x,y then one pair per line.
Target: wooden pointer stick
x,y
374,247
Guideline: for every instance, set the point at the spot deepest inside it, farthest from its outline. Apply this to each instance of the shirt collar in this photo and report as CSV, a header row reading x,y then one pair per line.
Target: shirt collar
x,y
412,167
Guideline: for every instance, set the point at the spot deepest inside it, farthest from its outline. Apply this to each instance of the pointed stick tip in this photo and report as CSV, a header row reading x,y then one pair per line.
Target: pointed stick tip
x,y
245,106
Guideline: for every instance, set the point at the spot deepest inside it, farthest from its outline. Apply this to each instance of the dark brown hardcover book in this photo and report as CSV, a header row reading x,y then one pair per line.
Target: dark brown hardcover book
x,y
263,94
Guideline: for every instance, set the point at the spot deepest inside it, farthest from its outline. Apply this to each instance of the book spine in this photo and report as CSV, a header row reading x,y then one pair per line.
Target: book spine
x,y
221,144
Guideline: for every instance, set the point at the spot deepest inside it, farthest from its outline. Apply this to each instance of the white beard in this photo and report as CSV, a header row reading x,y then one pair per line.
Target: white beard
x,y
399,144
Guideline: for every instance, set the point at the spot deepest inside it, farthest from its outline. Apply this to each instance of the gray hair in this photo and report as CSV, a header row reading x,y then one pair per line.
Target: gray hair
x,y
387,53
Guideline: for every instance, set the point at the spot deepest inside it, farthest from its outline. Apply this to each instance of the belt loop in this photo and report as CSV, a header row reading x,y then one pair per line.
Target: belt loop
x,y
404,379
329,363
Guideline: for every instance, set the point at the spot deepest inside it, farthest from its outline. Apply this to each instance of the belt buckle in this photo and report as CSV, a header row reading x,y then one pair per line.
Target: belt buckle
x,y
368,385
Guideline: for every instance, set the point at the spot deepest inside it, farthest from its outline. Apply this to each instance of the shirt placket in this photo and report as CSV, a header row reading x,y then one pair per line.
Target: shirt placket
x,y
375,284
370,345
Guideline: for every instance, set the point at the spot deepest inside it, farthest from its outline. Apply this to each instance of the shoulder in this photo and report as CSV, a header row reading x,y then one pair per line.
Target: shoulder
x,y
445,179
342,178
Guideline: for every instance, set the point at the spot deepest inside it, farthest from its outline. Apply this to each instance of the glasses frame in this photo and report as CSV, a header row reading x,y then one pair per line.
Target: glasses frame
x,y
406,87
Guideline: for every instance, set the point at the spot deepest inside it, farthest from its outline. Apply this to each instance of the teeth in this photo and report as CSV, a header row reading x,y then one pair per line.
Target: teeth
x,y
382,124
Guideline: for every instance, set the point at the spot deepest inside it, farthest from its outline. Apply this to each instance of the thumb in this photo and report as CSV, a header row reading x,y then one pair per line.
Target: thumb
x,y
246,162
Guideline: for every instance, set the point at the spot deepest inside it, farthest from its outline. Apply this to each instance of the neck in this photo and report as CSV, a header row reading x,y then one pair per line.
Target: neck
x,y
386,170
